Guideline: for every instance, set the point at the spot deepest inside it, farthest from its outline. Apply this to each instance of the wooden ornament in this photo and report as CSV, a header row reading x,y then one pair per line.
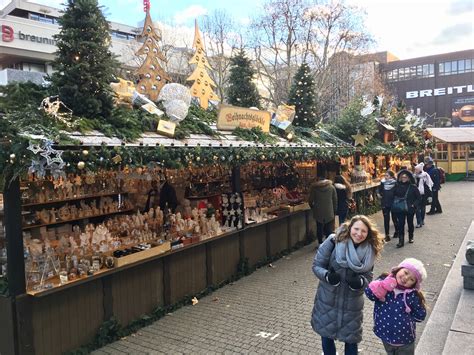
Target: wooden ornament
x,y
203,86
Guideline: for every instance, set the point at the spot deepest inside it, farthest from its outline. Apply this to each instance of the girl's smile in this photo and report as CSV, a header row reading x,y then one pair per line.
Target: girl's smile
x,y
406,278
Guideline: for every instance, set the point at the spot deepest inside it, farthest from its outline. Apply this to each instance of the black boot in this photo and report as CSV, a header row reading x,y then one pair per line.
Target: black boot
x,y
410,239
401,241
395,235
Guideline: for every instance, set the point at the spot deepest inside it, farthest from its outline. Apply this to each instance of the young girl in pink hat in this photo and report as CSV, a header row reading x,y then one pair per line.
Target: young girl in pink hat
x,y
399,304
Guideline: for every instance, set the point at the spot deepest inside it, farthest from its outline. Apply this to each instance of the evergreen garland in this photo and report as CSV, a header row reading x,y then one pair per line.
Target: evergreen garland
x,y
254,134
302,95
84,65
242,91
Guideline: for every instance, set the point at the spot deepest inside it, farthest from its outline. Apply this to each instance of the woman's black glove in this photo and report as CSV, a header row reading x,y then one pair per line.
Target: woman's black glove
x,y
333,277
354,280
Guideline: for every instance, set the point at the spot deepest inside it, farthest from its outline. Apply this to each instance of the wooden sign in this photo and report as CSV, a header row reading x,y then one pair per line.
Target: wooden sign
x,y
231,117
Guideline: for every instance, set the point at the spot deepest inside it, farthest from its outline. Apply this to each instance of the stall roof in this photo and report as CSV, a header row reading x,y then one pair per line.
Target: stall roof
x,y
225,139
453,134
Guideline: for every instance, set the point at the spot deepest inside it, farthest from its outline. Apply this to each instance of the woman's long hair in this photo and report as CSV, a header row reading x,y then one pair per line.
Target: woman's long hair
x,y
339,179
374,238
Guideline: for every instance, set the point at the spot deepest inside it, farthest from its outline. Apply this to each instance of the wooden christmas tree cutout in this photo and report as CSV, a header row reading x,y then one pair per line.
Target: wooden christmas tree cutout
x,y
203,85
152,75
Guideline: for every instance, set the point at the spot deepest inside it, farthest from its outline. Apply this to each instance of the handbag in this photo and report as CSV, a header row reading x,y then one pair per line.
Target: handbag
x,y
400,204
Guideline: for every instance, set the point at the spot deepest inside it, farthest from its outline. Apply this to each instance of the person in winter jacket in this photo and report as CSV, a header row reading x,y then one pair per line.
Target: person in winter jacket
x,y
343,264
433,172
405,190
425,184
399,305
323,202
386,190
344,194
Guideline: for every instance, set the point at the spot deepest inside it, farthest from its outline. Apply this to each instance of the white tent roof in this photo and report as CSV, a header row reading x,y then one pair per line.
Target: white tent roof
x,y
453,134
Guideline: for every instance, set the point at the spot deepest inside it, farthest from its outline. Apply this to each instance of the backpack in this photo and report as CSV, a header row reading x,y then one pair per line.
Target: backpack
x,y
442,176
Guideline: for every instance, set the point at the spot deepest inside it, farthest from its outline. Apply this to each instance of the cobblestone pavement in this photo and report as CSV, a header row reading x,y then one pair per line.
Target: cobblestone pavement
x,y
269,311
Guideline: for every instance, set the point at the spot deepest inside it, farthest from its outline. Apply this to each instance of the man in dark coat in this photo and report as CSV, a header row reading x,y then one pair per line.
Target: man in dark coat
x,y
433,171
323,202
168,197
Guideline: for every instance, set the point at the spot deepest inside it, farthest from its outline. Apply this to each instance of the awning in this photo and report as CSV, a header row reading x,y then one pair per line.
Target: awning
x,y
453,134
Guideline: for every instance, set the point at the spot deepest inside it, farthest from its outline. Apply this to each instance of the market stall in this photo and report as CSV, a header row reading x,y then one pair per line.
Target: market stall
x,y
87,244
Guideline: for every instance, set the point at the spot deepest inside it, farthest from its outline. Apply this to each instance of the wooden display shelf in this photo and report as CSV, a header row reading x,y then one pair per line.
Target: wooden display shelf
x,y
73,199
75,219
203,197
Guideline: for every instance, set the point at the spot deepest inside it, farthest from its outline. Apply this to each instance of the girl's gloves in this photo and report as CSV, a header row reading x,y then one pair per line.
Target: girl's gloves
x,y
354,280
333,277
380,287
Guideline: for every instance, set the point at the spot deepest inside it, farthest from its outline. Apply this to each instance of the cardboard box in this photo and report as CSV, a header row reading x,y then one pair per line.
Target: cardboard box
x,y
144,254
166,128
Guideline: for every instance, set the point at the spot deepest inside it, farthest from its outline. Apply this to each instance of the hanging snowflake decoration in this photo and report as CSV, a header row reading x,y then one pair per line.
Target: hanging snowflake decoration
x,y
51,159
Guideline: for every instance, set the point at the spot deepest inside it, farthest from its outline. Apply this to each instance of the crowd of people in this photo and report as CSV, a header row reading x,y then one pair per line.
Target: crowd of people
x,y
402,197
345,259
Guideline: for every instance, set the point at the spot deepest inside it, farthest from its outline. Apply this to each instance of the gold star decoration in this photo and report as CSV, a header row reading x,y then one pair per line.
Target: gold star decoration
x,y
359,139
406,127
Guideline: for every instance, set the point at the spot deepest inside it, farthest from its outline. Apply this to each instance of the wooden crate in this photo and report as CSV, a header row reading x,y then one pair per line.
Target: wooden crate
x,y
144,254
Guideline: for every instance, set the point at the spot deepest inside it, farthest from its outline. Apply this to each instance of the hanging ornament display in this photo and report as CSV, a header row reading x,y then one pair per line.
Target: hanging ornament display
x,y
50,160
152,76
203,86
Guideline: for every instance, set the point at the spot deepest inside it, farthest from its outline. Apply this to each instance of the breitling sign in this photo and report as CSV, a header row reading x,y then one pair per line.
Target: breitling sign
x,y
231,117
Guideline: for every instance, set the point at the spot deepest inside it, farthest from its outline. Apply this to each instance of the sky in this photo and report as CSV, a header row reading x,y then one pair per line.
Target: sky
x,y
406,28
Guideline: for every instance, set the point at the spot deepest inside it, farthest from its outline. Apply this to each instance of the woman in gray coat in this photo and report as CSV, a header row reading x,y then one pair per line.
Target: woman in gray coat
x,y
344,264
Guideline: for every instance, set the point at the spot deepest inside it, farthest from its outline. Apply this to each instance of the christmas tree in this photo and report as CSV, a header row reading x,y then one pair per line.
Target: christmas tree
x,y
152,75
302,95
84,65
203,85
242,90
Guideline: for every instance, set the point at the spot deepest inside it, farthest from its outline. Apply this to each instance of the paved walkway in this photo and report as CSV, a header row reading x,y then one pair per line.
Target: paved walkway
x,y
269,311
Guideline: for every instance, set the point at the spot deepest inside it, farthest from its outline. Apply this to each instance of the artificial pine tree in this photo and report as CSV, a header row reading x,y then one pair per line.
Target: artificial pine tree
x,y
203,85
242,91
302,95
84,65
152,75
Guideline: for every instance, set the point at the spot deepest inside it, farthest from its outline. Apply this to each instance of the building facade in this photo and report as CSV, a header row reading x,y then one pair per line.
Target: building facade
x,y
27,45
438,87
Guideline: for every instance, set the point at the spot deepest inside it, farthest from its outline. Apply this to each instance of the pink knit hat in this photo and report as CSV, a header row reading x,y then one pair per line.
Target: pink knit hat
x,y
415,266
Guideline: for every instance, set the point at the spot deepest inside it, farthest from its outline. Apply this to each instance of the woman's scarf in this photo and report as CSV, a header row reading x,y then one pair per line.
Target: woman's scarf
x,y
424,178
360,259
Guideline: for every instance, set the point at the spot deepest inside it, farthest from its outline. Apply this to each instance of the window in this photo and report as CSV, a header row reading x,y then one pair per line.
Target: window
x,y
456,67
413,72
471,151
42,18
459,152
441,151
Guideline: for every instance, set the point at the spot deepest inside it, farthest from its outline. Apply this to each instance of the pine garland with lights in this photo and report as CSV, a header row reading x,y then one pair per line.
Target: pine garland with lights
x,y
302,95
84,64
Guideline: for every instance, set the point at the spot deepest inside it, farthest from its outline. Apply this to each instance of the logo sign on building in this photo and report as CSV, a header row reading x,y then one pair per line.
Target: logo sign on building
x,y
463,112
231,117
461,89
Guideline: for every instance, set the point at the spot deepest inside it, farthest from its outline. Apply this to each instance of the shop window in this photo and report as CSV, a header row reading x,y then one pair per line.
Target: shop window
x,y
471,151
459,152
441,151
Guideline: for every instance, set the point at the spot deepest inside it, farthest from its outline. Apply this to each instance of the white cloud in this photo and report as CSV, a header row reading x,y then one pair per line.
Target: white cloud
x,y
189,13
412,28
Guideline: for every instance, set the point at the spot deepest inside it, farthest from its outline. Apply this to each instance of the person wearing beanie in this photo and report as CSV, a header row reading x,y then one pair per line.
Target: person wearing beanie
x,y
425,184
405,201
399,305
